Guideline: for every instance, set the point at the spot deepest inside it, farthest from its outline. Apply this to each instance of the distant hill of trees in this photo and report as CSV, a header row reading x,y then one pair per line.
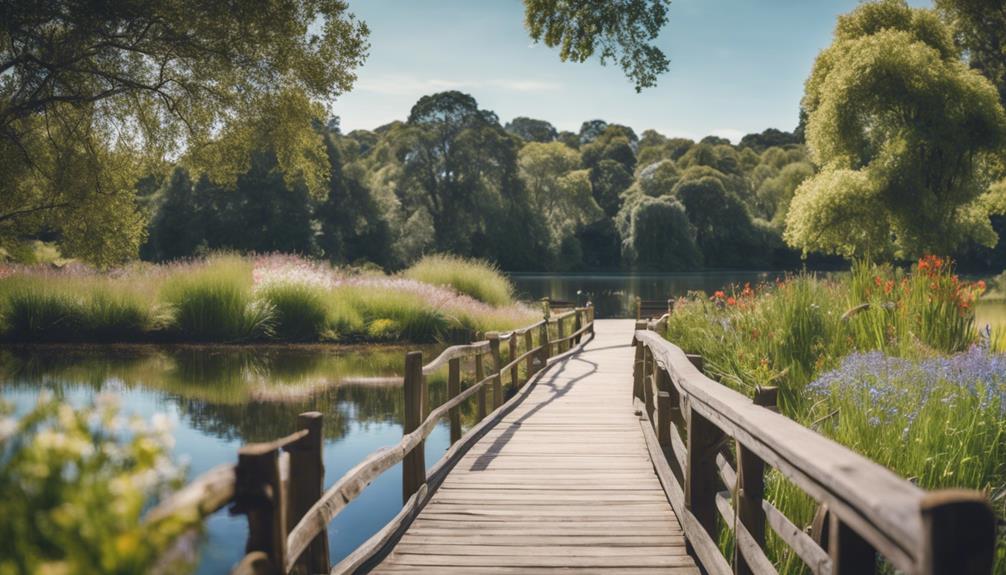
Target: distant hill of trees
x,y
527,196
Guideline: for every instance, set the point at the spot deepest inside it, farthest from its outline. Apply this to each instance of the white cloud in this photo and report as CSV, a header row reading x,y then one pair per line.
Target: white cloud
x,y
731,134
400,84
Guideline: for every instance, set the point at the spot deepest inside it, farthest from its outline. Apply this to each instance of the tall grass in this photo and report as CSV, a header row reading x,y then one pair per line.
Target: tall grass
x,y
884,361
475,278
228,298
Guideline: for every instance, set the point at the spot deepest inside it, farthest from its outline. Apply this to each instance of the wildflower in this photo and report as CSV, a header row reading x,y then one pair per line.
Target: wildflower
x,y
731,301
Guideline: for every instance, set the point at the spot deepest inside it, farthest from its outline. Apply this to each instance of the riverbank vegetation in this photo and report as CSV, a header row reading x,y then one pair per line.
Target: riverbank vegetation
x,y
886,361
226,298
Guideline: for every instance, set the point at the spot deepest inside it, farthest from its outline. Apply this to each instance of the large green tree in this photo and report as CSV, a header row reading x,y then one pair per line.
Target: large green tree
x,y
979,28
94,95
901,129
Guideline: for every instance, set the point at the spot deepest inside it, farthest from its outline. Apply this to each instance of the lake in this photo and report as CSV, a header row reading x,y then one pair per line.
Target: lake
x,y
219,398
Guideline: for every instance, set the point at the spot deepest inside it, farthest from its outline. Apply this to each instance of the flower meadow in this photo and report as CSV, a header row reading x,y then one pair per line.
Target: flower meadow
x,y
888,362
226,298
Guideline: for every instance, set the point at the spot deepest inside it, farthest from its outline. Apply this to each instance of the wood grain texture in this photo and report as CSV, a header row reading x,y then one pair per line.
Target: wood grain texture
x,y
563,482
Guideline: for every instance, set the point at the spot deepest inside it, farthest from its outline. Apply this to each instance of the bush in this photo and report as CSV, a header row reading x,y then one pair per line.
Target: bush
x,y
300,311
214,303
474,278
72,492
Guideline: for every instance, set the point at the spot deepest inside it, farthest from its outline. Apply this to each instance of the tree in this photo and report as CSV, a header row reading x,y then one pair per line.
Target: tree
x,y
979,28
723,228
901,128
620,30
557,189
271,216
769,138
657,235
92,96
531,130
174,231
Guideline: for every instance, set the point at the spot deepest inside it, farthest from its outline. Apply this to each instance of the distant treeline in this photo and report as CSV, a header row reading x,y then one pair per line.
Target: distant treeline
x,y
453,179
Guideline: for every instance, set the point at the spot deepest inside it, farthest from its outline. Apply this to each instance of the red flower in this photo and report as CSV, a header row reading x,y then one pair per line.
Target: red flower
x,y
731,301
719,294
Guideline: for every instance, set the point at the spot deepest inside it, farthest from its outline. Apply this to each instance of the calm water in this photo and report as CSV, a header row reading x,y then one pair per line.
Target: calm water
x,y
221,398
614,295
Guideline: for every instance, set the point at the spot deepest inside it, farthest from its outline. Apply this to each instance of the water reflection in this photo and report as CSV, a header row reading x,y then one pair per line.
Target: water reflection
x,y
219,398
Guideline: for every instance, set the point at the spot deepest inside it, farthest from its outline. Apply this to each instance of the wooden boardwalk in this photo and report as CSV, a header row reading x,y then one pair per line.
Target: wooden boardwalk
x,y
563,482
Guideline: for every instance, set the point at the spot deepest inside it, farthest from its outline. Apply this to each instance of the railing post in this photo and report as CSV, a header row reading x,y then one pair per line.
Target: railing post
x,y
528,346
494,348
750,489
663,422
696,360
576,327
560,346
637,365
960,533
511,356
850,553
704,440
414,463
648,367
453,389
481,393
639,308
590,315
307,483
545,346
260,495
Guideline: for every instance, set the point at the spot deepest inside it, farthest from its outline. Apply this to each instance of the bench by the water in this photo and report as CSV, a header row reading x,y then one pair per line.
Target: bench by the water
x,y
609,456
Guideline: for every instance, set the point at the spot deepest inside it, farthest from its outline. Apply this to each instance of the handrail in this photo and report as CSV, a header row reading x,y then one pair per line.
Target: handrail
x,y
871,509
281,493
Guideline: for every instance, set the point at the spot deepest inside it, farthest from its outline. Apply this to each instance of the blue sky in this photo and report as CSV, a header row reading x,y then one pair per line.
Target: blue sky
x,y
737,66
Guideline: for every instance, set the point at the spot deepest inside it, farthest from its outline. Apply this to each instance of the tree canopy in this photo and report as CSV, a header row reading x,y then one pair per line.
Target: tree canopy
x,y
617,30
91,96
901,128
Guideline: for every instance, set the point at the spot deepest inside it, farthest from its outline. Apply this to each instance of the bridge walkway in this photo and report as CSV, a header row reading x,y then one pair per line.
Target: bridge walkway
x,y
563,482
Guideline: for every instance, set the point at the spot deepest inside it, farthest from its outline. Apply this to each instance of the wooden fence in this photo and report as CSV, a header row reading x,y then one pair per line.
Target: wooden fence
x,y
711,447
279,485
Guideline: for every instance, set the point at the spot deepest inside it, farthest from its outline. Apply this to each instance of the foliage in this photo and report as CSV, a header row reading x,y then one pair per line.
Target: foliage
x,y
214,303
267,298
532,130
74,482
901,128
478,279
622,31
979,28
656,234
90,101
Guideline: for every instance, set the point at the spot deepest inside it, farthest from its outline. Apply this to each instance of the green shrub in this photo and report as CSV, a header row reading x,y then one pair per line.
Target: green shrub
x,y
35,313
474,278
73,493
214,303
416,319
300,311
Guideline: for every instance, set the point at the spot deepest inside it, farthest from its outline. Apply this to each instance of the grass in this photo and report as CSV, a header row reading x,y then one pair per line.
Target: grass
x,y
885,361
475,278
227,298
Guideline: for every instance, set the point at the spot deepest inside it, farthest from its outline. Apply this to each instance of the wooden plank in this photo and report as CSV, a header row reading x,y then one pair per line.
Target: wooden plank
x,y
521,540
599,550
512,560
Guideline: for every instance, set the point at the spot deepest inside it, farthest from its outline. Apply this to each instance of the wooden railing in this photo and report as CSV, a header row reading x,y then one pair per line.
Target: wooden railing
x,y
711,447
651,308
279,485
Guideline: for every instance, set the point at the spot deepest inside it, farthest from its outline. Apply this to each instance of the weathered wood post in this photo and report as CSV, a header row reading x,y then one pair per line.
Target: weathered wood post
x,y
528,346
546,351
514,368
648,367
960,531
639,308
750,489
307,483
260,495
481,393
663,421
696,360
453,389
577,324
849,552
704,439
414,463
494,348
637,364
560,346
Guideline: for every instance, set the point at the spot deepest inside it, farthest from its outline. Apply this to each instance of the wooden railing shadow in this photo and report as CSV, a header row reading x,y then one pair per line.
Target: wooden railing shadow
x,y
279,485
711,447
